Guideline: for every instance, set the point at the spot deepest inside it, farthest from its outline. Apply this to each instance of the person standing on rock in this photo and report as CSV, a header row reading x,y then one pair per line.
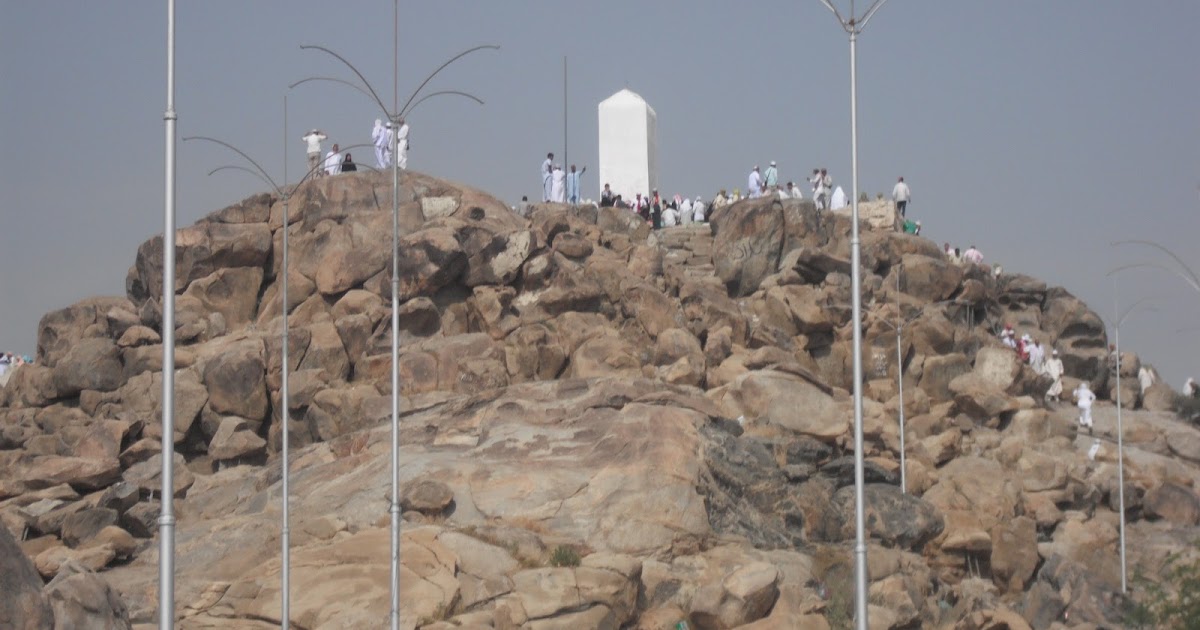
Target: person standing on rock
x,y
901,194
402,146
523,207
698,209
754,184
720,201
1084,399
547,176
313,140
1190,389
1037,357
573,184
333,161
771,180
558,185
973,255
379,139
822,187
685,210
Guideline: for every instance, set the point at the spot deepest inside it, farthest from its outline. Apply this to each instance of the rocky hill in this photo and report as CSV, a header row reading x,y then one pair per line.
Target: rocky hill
x,y
602,427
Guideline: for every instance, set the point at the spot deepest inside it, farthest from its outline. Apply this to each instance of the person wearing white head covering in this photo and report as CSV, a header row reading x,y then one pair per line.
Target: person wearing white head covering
x,y
547,176
1054,369
402,146
379,139
771,180
839,198
754,184
698,209
685,210
1084,399
1094,449
1037,356
558,186
1189,388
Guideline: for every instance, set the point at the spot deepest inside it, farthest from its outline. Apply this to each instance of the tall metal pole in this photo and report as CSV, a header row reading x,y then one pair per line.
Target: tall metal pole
x,y
860,542
1120,437
395,507
900,384
285,414
565,112
166,519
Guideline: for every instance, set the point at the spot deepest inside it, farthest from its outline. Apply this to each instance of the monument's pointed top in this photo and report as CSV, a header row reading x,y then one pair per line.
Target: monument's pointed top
x,y
626,97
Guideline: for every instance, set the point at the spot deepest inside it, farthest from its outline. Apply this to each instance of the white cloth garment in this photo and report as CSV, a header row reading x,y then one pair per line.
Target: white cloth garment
x,y
1037,358
558,187
547,178
754,185
313,140
686,210
402,146
839,199
900,192
333,163
1094,449
698,210
1084,399
1054,369
973,256
668,217
379,139
1145,378
1189,388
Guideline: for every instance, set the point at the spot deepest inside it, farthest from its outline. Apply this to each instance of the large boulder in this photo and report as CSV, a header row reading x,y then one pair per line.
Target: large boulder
x,y
82,599
200,250
894,518
794,401
89,364
59,331
236,380
749,243
21,604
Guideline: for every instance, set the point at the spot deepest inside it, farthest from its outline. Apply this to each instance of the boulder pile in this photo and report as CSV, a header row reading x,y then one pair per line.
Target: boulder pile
x,y
602,426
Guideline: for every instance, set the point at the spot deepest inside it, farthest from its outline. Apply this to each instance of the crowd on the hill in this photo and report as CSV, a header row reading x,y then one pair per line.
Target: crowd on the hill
x,y
337,161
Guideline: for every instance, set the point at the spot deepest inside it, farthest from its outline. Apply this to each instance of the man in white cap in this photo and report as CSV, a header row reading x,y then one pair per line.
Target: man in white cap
x,y
771,181
1084,399
313,141
1054,369
754,184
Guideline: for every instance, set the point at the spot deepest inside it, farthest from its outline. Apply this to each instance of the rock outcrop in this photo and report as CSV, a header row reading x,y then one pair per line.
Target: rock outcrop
x,y
601,426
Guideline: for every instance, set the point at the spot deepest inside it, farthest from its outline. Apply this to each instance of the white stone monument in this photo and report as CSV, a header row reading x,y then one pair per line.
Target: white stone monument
x,y
628,145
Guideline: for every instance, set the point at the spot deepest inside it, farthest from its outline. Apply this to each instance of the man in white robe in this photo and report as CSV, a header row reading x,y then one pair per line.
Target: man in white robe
x,y
1054,369
698,210
379,139
754,184
558,186
1189,388
333,161
1084,399
839,199
402,146
547,176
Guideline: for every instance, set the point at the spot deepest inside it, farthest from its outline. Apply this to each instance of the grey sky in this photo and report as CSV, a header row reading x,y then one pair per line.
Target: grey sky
x,y
1039,131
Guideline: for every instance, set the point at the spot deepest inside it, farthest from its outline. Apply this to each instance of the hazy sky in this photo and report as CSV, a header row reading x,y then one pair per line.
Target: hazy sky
x,y
1039,131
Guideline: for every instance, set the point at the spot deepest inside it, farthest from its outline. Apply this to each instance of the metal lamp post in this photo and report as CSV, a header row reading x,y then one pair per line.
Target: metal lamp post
x,y
854,26
395,115
166,519
284,194
1120,318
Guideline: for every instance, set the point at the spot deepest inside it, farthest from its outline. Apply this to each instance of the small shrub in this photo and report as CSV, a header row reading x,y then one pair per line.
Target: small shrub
x,y
1173,602
564,556
863,198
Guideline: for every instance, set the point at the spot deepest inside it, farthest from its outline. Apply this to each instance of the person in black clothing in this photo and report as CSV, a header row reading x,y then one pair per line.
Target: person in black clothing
x,y
606,197
348,165
656,214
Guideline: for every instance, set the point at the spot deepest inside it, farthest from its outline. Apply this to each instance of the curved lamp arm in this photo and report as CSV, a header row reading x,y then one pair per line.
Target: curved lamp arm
x,y
443,67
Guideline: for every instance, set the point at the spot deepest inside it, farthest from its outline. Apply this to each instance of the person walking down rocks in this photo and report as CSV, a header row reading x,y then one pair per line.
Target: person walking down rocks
x,y
1084,399
901,194
313,141
771,179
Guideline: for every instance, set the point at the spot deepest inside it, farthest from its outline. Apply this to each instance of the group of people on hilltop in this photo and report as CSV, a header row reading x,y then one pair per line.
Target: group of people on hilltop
x,y
559,186
336,161
10,361
1031,351
657,210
